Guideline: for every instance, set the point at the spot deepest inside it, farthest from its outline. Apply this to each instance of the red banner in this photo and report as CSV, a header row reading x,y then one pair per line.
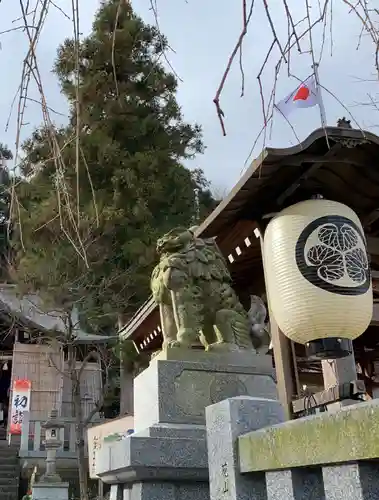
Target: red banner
x,y
20,404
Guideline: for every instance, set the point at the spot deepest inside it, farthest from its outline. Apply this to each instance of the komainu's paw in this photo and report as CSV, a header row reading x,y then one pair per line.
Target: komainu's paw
x,y
223,347
184,345
174,343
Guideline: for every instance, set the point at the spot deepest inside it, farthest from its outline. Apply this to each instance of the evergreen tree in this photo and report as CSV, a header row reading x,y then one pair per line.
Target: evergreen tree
x,y
90,210
5,203
90,215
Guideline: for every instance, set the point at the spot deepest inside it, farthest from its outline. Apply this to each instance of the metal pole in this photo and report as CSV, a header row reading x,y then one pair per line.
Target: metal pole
x,y
321,102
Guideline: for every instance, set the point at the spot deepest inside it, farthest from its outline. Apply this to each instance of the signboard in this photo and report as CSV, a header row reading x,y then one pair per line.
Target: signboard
x,y
107,433
20,404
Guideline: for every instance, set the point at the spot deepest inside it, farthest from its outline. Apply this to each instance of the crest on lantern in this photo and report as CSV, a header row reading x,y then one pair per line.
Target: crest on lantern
x,y
331,253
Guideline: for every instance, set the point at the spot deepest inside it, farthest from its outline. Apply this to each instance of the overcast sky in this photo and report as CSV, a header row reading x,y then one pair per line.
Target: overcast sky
x,y
203,33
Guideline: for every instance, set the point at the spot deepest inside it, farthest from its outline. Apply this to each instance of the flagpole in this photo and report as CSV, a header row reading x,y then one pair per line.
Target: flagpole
x,y
321,102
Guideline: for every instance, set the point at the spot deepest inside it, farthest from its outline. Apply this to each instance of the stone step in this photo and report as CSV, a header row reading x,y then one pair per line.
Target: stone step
x,y
8,465
9,471
9,491
7,453
8,476
11,488
8,450
5,485
13,445
9,496
9,462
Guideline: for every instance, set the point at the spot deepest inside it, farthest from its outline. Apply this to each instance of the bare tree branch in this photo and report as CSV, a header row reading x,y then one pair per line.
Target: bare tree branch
x,y
246,19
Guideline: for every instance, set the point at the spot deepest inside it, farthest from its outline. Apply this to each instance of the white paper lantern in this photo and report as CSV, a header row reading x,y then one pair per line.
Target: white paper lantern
x,y
317,272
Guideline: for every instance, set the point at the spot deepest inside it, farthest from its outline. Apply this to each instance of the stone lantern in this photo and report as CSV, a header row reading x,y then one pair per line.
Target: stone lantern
x,y
50,484
52,443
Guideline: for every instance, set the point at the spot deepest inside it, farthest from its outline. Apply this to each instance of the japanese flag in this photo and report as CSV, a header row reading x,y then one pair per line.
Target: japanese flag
x,y
306,95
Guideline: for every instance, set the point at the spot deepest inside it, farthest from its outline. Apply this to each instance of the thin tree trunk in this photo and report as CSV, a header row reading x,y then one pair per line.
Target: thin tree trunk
x,y
79,427
80,443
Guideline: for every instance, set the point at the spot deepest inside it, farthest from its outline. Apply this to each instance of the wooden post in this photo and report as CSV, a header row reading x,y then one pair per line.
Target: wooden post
x,y
282,356
24,444
100,489
126,391
126,380
283,368
336,372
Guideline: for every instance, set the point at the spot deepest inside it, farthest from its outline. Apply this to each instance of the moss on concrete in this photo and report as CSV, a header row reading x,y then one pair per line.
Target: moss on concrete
x,y
349,434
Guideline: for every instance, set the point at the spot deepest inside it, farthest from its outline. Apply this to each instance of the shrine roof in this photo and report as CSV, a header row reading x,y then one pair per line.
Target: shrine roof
x,y
31,311
337,163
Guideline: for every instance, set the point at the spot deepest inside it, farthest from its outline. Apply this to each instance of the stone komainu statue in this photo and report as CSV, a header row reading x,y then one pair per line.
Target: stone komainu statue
x,y
192,286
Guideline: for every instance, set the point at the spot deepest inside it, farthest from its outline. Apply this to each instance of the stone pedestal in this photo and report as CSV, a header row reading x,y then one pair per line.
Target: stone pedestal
x,y
50,491
296,484
166,458
177,392
353,481
226,421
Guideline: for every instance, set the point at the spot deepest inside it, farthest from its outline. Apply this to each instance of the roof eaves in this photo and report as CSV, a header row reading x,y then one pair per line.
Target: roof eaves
x,y
267,154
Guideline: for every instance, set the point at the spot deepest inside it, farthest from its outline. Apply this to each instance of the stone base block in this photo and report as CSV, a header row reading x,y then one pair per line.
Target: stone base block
x,y
184,431
358,481
50,491
166,458
225,422
142,458
166,491
116,492
296,484
177,392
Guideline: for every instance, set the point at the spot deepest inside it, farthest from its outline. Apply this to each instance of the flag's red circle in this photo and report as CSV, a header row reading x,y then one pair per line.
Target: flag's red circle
x,y
302,94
